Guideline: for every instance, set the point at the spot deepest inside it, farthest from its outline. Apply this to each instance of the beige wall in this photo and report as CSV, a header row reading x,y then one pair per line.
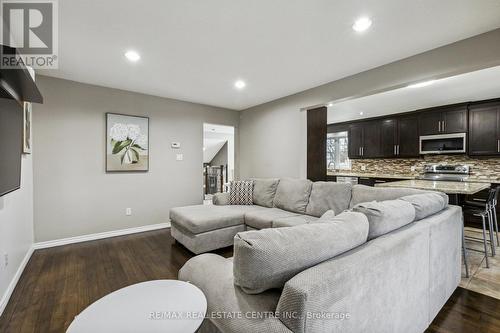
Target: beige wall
x,y
273,135
72,193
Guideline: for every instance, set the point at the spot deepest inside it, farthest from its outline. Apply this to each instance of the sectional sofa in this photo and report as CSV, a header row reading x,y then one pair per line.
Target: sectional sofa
x,y
388,264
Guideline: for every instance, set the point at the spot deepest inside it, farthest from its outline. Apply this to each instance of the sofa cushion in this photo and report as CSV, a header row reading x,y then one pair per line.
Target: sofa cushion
x,y
241,192
363,193
264,191
268,258
213,274
203,218
386,216
426,204
220,199
293,195
329,216
329,196
263,218
293,221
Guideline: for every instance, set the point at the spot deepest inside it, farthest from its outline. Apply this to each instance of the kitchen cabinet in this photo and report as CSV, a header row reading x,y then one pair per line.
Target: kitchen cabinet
x,y
355,140
364,140
408,136
443,120
399,137
484,129
371,139
388,137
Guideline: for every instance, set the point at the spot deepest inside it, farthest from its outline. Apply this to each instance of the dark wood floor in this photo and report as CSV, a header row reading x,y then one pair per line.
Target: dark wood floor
x,y
58,283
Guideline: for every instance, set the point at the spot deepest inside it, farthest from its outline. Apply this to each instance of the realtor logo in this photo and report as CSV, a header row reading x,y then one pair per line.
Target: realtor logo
x,y
31,28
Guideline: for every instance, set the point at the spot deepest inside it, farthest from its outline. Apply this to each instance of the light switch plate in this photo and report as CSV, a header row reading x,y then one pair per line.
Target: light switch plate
x,y
363,168
128,211
179,157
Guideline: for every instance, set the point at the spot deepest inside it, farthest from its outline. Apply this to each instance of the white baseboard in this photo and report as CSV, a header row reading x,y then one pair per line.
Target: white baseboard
x,y
101,235
15,279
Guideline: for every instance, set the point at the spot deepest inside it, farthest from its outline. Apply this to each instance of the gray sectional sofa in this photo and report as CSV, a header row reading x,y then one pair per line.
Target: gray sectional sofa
x,y
388,264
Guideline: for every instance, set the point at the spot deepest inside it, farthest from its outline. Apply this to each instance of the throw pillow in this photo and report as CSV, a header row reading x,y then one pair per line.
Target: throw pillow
x,y
241,192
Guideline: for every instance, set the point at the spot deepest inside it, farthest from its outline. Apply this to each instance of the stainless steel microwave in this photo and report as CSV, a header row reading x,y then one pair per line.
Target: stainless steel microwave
x,y
443,143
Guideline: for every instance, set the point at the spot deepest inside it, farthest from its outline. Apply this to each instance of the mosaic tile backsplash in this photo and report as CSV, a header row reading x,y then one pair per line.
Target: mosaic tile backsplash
x,y
481,168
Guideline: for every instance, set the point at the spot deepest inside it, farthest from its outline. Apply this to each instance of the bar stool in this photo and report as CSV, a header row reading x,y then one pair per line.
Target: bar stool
x,y
492,211
485,211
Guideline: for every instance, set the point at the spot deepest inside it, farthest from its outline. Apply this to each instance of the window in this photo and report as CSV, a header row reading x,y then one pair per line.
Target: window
x,y
336,151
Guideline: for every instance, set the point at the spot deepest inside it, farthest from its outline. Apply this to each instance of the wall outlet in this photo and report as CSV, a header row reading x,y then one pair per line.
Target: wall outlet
x,y
179,157
5,259
363,168
175,145
413,168
128,211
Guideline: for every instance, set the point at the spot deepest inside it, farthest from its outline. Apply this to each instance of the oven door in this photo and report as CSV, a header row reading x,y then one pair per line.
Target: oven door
x,y
443,144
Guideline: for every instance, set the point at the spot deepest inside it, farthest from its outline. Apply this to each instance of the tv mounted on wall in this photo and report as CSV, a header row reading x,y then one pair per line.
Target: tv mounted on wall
x,y
11,136
16,86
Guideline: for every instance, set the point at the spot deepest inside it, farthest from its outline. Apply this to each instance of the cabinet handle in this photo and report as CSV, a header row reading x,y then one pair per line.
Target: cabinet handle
x,y
439,126
498,146
398,150
395,151
444,126
362,151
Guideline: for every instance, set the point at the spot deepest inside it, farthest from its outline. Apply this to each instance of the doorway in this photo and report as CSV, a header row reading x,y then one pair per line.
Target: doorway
x,y
218,159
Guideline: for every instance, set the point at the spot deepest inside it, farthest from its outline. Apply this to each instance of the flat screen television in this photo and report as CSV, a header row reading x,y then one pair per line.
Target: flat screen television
x,y
11,136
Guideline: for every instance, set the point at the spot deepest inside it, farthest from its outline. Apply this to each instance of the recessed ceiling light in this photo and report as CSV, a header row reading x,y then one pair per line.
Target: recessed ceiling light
x,y
330,105
421,84
362,24
361,113
132,56
240,84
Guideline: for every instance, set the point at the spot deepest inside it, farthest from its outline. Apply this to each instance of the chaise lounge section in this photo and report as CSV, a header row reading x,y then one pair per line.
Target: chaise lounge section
x,y
276,203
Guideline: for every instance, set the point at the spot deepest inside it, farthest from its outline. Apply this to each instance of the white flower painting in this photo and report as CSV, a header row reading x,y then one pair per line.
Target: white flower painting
x,y
127,143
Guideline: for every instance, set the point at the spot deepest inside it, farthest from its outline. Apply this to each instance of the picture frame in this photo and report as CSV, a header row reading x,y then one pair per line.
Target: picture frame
x,y
27,130
127,143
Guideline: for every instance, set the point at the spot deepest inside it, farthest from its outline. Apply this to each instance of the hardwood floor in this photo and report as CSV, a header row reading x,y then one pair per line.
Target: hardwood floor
x,y
58,283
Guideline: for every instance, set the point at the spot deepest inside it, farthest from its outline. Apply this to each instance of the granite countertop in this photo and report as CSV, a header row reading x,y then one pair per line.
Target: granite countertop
x,y
471,179
442,186
369,175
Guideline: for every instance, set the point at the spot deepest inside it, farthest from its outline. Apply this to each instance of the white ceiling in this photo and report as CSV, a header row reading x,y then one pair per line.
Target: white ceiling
x,y
474,86
210,148
195,50
214,138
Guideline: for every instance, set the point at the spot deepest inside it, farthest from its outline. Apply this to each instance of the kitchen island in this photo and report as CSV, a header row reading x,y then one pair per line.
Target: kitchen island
x,y
464,188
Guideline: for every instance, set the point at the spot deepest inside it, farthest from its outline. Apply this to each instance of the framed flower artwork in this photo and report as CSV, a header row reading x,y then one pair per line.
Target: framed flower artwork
x,y
127,143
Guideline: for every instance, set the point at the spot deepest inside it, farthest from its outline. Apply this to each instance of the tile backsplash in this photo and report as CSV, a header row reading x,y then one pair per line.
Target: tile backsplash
x,y
481,168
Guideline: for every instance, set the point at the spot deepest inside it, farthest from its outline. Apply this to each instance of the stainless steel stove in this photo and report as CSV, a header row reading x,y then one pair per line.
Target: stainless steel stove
x,y
455,173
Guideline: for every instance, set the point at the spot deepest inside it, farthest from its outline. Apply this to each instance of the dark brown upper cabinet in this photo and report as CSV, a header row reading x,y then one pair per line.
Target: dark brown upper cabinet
x,y
484,129
399,137
371,139
443,120
365,139
388,137
408,135
355,140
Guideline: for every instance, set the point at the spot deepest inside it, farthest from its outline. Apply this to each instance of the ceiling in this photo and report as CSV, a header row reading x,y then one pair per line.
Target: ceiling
x,y
474,86
195,50
214,138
